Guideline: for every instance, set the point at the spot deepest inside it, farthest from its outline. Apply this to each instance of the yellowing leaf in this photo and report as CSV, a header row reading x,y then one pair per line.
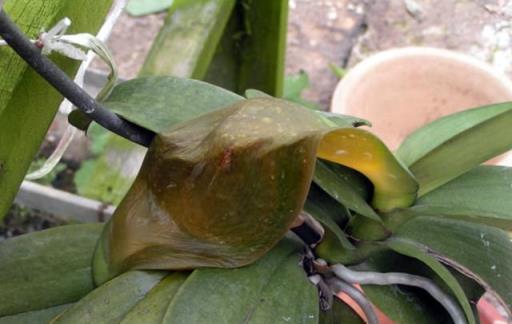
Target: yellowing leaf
x,y
222,189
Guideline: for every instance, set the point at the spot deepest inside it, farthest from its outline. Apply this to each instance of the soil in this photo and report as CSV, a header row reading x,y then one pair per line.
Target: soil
x,y
20,220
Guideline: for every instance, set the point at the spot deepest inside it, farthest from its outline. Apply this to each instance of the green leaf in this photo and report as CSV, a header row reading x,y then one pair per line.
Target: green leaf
x,y
46,268
253,93
273,290
329,213
346,186
198,173
152,308
27,103
481,252
251,52
412,250
343,120
294,85
158,103
402,304
186,43
108,176
340,313
481,195
146,7
337,70
110,302
450,146
32,317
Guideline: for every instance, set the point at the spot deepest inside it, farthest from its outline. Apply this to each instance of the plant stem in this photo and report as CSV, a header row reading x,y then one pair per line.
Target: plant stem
x,y
71,91
399,278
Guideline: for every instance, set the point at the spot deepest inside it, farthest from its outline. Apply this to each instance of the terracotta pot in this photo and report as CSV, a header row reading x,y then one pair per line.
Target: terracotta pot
x,y
402,89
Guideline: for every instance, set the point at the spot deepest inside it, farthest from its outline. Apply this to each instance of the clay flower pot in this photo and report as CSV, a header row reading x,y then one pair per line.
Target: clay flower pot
x,y
402,89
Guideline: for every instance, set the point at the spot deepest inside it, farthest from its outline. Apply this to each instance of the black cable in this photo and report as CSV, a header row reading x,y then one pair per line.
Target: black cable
x,y
69,89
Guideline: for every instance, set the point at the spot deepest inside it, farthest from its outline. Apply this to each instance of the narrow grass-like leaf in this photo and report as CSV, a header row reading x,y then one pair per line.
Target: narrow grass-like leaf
x,y
450,146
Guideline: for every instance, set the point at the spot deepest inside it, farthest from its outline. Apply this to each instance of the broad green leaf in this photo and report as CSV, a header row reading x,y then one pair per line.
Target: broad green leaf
x,y
110,302
340,313
480,195
346,186
324,207
152,308
330,118
27,103
251,52
32,317
400,305
481,252
412,250
158,103
253,93
273,290
46,268
198,173
228,184
146,7
450,146
184,47
404,305
186,43
329,213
